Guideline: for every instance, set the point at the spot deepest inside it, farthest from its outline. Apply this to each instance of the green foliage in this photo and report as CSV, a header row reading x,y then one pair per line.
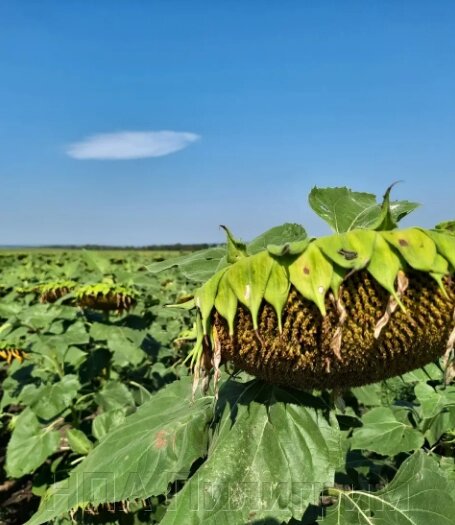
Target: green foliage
x,y
387,432
419,494
83,373
30,444
152,448
270,462
101,421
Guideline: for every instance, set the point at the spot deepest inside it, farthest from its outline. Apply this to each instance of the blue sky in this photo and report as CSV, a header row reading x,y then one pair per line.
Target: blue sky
x,y
262,101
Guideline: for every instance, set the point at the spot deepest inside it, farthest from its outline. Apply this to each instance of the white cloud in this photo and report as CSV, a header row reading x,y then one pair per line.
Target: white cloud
x,y
130,145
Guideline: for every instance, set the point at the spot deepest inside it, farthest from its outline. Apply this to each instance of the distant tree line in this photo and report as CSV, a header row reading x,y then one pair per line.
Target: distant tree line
x,y
149,247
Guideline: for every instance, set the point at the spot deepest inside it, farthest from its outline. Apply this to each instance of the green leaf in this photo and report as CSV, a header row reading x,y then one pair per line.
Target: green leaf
x,y
345,210
139,458
78,441
342,208
75,334
392,212
198,266
114,395
386,432
30,445
270,457
448,467
400,209
435,427
368,395
124,342
427,372
432,401
446,227
49,401
419,494
437,410
279,236
99,263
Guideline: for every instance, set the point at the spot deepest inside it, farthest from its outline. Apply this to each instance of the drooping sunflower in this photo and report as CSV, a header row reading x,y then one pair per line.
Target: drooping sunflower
x,y
368,302
51,292
106,296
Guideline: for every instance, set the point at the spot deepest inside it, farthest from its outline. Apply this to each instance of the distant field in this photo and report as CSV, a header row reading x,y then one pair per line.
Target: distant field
x,y
84,370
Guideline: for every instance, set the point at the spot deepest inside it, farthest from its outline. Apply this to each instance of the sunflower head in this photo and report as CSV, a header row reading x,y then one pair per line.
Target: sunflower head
x,y
51,292
368,302
106,296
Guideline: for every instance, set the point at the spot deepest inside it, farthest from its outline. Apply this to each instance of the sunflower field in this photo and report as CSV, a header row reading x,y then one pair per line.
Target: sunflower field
x,y
288,380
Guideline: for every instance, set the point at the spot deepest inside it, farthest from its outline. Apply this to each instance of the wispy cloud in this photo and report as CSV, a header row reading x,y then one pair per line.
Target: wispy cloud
x,y
130,145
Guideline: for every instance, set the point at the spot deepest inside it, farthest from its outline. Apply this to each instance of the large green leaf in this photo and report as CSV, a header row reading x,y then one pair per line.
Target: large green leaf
x,y
387,432
273,453
420,494
345,210
139,458
30,445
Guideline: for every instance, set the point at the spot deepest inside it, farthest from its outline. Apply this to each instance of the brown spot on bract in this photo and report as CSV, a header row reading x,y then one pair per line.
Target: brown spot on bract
x,y
403,242
161,439
306,270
